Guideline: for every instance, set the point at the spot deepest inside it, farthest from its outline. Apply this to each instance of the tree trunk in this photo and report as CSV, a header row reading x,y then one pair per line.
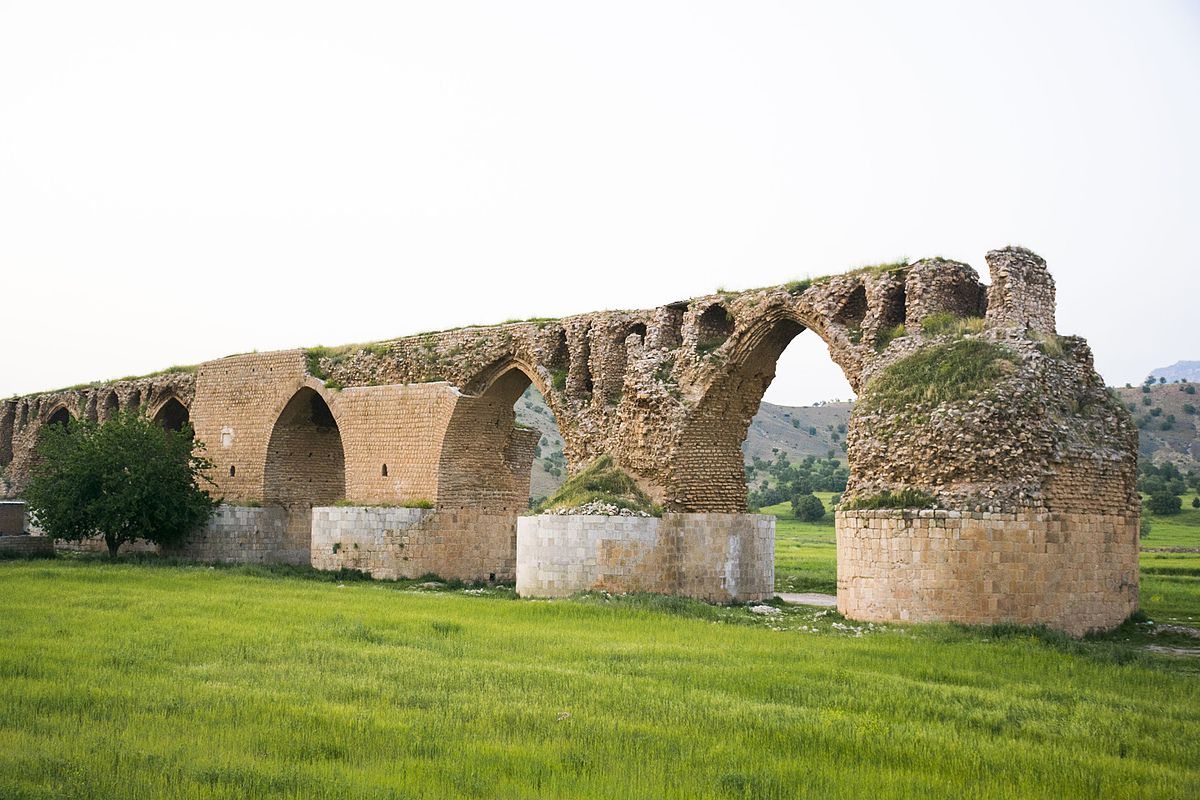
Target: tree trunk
x,y
113,543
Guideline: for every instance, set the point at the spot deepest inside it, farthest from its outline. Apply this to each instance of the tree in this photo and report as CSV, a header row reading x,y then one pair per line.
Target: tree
x,y
124,480
1164,503
1196,501
808,507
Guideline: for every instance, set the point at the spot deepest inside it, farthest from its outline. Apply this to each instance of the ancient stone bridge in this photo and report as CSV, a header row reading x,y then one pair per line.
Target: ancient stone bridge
x,y
992,474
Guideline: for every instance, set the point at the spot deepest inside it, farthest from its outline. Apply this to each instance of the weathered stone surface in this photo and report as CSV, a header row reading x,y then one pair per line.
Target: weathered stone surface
x,y
719,557
669,394
1075,571
25,546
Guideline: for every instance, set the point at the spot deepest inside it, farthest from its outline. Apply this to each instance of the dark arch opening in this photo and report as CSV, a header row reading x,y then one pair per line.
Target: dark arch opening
x,y
134,401
60,417
713,327
854,310
112,405
560,356
8,422
305,467
618,359
172,415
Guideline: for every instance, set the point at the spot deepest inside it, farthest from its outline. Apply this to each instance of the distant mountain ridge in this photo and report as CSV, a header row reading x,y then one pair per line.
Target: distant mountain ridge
x,y
1179,371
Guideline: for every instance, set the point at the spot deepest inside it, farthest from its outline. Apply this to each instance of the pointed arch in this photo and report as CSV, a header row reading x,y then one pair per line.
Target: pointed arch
x,y
172,414
485,458
305,467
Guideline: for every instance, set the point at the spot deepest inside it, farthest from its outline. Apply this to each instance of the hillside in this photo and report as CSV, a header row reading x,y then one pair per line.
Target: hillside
x,y
1167,419
1179,371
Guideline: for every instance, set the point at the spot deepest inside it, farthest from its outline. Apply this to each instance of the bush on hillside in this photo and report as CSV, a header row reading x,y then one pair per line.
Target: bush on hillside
x,y
808,507
1164,502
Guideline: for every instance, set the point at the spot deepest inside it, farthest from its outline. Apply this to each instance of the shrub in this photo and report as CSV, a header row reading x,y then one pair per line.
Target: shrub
x,y
125,480
808,507
1196,501
1189,389
1188,408
890,335
1164,503
936,324
604,481
1146,401
905,498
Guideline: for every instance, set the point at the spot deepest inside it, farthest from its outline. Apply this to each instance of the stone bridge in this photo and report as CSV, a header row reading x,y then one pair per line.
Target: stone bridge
x,y
992,474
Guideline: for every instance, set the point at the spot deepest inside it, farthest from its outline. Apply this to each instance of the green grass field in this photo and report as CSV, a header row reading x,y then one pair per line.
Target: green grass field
x,y
139,680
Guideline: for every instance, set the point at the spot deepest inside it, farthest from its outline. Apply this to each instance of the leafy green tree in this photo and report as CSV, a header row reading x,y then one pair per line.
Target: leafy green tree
x,y
125,480
1164,503
1196,501
808,507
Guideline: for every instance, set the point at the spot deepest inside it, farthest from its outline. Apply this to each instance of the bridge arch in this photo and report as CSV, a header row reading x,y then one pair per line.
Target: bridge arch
x,y
305,466
707,473
112,406
61,415
171,414
485,458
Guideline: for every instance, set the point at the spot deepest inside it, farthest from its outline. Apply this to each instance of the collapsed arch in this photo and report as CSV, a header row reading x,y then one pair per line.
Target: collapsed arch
x,y
305,467
707,473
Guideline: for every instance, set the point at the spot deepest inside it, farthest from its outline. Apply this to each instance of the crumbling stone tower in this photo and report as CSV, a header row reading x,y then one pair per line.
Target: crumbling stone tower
x,y
992,474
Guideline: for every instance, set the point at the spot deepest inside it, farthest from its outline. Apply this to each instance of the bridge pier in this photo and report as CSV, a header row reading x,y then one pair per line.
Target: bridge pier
x,y
718,557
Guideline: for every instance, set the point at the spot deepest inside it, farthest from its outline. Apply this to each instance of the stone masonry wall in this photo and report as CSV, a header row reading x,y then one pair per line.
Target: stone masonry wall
x,y
668,393
243,535
12,518
718,557
393,543
25,546
1075,572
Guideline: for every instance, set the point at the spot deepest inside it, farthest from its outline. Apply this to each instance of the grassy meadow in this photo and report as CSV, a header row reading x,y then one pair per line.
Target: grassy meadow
x,y
141,679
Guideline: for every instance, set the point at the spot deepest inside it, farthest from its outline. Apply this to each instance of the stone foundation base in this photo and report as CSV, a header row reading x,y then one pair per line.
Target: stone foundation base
x,y
391,543
718,557
1072,572
25,546
234,534
242,535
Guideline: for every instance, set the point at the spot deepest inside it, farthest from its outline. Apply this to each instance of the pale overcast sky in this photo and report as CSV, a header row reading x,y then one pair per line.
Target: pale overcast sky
x,y
179,182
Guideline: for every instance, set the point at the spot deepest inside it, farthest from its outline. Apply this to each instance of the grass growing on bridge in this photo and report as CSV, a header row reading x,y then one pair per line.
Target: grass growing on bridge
x,y
133,680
